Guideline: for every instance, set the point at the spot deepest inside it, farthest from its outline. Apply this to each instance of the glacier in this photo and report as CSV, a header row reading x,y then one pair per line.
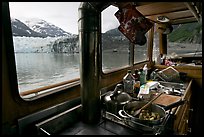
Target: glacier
x,y
39,44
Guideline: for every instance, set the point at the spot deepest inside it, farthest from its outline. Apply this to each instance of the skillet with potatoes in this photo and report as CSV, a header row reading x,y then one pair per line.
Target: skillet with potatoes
x,y
153,114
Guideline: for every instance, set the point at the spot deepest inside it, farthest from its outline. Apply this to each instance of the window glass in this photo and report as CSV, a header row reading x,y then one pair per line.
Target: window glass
x,y
115,46
185,39
45,38
141,51
155,54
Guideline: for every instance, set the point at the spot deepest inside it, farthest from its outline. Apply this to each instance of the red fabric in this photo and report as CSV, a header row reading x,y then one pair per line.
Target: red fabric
x,y
132,23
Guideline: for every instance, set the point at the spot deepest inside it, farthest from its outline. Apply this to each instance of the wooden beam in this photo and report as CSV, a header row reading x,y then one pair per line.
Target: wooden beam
x,y
161,8
186,20
173,15
162,43
150,43
192,9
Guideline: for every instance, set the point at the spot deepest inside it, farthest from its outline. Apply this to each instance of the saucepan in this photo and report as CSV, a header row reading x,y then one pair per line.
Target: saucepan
x,y
152,115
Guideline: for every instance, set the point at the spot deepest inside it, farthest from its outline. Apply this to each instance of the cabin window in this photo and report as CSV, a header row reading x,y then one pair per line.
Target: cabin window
x,y
115,46
45,40
141,51
185,39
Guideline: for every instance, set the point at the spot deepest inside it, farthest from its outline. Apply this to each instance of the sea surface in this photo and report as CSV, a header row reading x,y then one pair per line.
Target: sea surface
x,y
35,70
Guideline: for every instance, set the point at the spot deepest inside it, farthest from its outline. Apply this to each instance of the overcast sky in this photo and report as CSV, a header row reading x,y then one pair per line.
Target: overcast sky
x,y
61,14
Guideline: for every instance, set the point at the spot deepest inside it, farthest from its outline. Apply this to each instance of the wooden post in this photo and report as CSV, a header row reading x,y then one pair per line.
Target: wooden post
x,y
162,43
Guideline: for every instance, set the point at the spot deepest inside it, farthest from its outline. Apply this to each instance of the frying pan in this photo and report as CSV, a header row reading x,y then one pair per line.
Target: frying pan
x,y
125,112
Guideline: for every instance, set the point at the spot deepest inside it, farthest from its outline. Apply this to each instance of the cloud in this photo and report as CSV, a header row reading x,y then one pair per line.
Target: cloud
x,y
61,14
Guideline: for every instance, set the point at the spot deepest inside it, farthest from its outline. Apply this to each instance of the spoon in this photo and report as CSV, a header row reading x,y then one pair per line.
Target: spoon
x,y
146,105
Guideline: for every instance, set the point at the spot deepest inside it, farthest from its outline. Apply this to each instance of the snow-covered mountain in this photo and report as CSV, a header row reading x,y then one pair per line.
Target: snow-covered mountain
x,y
20,29
36,28
43,27
36,35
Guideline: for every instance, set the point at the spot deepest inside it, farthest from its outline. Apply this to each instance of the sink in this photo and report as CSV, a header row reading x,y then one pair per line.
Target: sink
x,y
172,84
172,88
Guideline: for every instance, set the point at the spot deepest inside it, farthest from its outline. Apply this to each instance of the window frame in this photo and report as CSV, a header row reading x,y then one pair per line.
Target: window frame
x,y
131,60
38,92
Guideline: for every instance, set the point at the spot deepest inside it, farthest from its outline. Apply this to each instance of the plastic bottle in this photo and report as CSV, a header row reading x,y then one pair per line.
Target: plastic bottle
x,y
129,82
142,77
145,72
153,75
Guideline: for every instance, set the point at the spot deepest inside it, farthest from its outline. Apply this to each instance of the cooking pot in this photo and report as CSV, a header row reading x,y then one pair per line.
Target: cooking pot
x,y
125,112
115,100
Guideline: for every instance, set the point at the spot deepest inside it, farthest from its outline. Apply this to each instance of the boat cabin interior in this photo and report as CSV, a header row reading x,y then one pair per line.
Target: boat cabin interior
x,y
105,100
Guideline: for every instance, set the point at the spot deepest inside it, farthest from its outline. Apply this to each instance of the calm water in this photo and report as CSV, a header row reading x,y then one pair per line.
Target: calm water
x,y
35,70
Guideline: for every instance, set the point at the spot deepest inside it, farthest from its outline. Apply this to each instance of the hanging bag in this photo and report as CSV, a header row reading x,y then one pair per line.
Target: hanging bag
x,y
133,24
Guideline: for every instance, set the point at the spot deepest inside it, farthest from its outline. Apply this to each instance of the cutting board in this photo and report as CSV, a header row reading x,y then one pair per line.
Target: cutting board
x,y
166,99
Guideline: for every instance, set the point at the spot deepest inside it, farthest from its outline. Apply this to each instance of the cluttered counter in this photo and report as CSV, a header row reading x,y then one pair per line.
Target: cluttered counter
x,y
112,123
168,112
174,121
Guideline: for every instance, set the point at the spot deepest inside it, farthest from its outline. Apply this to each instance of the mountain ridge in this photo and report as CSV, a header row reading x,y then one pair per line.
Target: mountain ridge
x,y
65,42
35,27
40,28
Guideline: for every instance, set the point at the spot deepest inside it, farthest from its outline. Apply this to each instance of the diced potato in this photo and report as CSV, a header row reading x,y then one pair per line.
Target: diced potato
x,y
146,115
151,118
132,112
153,114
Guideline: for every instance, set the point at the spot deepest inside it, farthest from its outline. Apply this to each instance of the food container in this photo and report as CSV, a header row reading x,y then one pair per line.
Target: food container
x,y
169,74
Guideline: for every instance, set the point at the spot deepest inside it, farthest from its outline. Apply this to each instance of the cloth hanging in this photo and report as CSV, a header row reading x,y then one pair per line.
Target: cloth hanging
x,y
133,24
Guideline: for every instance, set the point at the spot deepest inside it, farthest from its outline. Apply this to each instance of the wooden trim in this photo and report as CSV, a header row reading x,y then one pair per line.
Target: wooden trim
x,y
150,43
182,110
24,93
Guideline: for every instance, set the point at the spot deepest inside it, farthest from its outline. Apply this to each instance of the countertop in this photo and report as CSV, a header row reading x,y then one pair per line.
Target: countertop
x,y
104,127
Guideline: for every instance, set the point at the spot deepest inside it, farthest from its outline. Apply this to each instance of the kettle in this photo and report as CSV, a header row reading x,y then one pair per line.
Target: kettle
x,y
115,100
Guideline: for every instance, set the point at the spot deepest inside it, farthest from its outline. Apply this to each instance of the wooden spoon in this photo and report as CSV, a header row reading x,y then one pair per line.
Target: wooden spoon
x,y
146,105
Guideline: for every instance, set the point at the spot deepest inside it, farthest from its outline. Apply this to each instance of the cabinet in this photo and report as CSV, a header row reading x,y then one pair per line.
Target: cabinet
x,y
182,115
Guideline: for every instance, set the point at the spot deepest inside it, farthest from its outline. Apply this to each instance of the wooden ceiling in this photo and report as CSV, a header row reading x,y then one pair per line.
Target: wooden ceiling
x,y
177,12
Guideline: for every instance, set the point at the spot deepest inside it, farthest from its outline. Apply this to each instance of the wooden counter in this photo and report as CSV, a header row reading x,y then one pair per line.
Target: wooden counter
x,y
182,114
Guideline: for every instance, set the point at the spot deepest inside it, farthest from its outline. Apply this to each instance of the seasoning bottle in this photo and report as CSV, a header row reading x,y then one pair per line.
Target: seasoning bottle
x,y
136,75
129,81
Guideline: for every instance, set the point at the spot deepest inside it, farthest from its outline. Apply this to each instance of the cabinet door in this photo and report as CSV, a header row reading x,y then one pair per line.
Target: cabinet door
x,y
181,122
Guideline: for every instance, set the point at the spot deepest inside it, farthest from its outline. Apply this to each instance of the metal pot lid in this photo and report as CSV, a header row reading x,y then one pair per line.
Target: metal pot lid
x,y
123,98
120,98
